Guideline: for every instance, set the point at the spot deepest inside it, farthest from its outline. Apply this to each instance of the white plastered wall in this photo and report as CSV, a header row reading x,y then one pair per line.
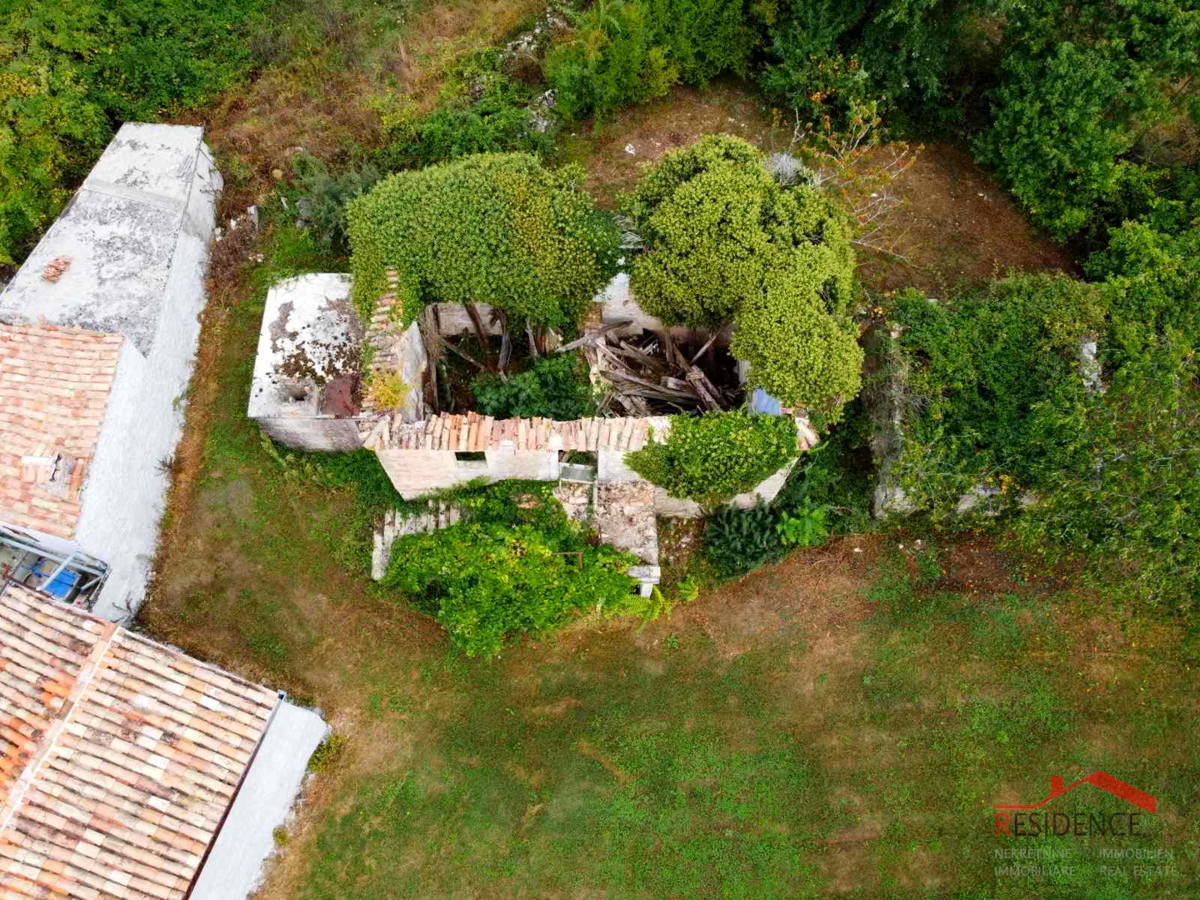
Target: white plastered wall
x,y
246,840
125,491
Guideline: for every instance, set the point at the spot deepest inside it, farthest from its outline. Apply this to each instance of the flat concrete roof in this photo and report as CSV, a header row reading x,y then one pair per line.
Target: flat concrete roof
x,y
119,233
311,337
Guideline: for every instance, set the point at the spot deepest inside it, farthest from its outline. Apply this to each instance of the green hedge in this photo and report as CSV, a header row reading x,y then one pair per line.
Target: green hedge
x,y
494,228
713,457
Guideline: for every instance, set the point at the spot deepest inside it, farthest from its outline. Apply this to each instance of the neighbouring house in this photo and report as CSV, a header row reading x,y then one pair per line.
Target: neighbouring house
x,y
98,333
130,770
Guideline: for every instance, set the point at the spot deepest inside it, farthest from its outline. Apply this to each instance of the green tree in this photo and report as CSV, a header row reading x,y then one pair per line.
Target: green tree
x,y
1079,83
494,228
725,242
797,351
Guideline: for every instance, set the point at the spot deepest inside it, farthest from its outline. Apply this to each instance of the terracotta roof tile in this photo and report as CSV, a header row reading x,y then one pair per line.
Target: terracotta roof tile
x,y
118,756
473,432
54,388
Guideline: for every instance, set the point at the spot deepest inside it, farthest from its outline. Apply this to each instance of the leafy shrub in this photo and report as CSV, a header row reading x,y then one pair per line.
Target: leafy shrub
x,y
713,457
725,241
388,390
991,374
837,475
482,110
825,56
71,71
796,350
633,51
739,540
1122,488
556,387
1079,83
487,580
495,228
806,527
328,195
1151,271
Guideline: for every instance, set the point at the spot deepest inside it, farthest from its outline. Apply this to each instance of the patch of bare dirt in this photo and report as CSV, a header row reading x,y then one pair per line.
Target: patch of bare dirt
x,y
957,223
614,152
816,596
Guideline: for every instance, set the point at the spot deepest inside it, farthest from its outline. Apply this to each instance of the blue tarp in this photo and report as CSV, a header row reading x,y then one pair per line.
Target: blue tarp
x,y
762,402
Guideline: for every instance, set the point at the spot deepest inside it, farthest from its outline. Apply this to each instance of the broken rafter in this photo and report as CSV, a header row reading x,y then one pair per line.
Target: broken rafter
x,y
594,335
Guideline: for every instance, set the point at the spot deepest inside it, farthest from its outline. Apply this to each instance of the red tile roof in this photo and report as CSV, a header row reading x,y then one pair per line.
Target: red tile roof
x,y
473,432
119,757
54,388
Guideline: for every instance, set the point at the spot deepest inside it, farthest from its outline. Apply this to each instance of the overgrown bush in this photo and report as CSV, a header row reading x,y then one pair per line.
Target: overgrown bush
x,y
804,527
327,196
740,540
510,567
797,351
630,51
825,57
1079,84
557,387
991,374
495,228
481,110
70,72
713,457
1122,487
837,475
725,241
1151,271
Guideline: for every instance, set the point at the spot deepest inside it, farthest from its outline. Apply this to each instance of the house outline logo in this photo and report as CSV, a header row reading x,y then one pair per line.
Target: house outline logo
x,y
1100,779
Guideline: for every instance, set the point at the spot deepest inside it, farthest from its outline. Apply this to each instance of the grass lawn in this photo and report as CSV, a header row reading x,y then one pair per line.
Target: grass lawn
x,y
841,724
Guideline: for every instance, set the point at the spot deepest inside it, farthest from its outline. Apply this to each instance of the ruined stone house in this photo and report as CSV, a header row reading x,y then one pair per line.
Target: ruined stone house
x,y
296,372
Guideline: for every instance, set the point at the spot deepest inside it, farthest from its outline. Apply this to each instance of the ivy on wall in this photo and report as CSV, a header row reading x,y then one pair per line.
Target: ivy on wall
x,y
713,457
495,228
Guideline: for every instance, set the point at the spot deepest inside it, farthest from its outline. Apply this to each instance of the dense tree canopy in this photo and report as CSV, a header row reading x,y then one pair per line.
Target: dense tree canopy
x,y
495,228
829,54
1079,84
725,242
